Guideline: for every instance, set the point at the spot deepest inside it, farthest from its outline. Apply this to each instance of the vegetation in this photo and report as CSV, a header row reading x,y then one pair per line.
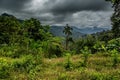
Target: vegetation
x,y
28,51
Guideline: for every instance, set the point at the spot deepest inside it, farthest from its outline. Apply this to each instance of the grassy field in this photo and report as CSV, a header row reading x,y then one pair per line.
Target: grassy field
x,y
98,67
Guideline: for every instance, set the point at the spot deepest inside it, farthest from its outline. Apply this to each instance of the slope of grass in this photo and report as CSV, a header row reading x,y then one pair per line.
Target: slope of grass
x,y
99,67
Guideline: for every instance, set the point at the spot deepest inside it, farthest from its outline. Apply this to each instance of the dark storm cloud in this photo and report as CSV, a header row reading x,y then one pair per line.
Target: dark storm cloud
x,y
12,5
60,11
72,6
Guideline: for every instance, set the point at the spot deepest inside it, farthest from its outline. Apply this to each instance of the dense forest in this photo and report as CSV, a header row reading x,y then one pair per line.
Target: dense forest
x,y
29,51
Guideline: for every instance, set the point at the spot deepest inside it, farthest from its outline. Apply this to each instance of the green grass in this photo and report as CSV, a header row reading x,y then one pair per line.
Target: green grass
x,y
99,67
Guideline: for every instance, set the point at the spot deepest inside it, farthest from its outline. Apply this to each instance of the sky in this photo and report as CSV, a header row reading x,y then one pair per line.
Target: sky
x,y
80,13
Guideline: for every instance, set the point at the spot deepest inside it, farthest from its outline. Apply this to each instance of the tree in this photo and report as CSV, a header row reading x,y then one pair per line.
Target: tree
x,y
68,33
116,17
9,29
34,30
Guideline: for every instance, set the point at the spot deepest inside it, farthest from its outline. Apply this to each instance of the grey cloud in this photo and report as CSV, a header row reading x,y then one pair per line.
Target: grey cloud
x,y
88,19
13,5
61,9
73,12
72,6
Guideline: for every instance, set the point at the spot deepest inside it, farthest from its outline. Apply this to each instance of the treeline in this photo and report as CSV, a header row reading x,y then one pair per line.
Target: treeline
x,y
29,36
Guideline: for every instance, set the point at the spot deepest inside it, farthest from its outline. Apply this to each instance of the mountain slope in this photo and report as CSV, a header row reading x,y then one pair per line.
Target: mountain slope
x,y
77,32
58,31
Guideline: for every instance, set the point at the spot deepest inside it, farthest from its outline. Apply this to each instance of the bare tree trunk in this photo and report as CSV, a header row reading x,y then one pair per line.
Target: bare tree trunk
x,y
67,42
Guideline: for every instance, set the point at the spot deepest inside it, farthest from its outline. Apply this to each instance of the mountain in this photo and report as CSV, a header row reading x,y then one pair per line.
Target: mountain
x,y
91,30
58,31
77,32
7,15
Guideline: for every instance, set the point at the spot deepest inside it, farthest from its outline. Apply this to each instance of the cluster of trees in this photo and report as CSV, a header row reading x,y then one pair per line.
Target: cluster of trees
x,y
31,34
27,36
13,30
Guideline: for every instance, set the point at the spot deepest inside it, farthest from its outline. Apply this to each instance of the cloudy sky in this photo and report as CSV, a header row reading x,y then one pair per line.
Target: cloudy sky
x,y
81,13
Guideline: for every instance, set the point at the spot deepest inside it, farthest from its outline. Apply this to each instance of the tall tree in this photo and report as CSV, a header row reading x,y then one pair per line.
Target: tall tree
x,y
9,29
68,33
116,17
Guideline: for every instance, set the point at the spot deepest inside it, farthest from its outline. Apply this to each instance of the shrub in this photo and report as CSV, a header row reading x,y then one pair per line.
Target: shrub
x,y
4,68
24,63
115,57
97,46
68,64
114,44
52,48
88,41
86,53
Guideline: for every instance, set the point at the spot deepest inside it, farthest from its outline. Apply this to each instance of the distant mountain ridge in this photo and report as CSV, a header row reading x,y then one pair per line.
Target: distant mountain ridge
x,y
58,31
91,30
77,32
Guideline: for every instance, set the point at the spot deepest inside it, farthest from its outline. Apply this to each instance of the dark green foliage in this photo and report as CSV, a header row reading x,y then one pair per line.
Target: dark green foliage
x,y
34,30
88,41
9,29
106,36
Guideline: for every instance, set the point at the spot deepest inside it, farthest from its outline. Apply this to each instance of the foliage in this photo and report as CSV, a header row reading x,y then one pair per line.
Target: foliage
x,y
33,29
85,53
105,35
88,41
9,29
68,64
114,53
4,68
52,47
98,46
114,44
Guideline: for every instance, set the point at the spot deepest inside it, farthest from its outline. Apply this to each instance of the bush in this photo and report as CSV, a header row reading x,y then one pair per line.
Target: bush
x,y
52,48
68,64
4,68
115,57
114,44
86,53
88,41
